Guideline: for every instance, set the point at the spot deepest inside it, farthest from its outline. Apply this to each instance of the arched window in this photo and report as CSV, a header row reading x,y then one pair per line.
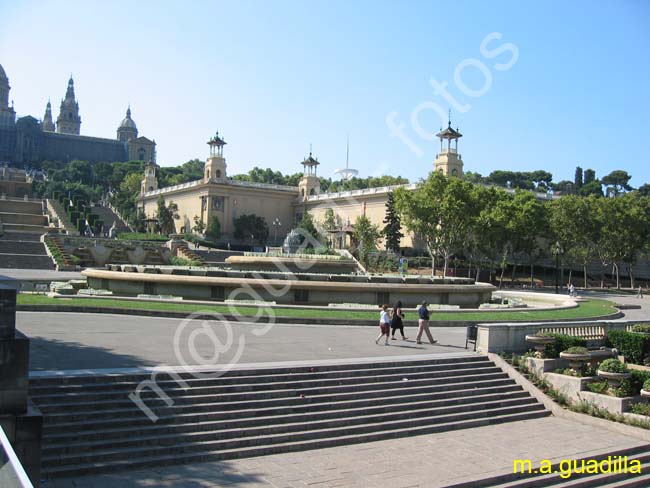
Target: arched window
x,y
312,192
217,173
454,172
141,154
150,188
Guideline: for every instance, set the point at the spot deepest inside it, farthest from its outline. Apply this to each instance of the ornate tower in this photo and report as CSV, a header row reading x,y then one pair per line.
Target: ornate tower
x,y
448,160
215,166
127,129
68,121
7,113
48,124
309,184
149,182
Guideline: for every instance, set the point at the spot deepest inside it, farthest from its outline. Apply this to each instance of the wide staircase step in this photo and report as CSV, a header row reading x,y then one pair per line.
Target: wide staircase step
x,y
561,477
216,256
22,250
92,425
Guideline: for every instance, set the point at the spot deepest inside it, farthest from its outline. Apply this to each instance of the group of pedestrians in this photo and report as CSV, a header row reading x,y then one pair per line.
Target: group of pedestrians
x,y
392,321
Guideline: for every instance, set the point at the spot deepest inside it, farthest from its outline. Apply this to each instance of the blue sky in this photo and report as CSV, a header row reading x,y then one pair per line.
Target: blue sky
x,y
275,76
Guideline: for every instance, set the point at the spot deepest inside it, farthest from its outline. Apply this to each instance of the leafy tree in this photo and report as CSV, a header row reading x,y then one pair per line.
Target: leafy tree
x,y
308,227
251,227
589,176
330,222
213,232
644,190
577,180
564,186
616,182
439,211
573,225
475,178
166,215
592,188
365,235
199,225
392,229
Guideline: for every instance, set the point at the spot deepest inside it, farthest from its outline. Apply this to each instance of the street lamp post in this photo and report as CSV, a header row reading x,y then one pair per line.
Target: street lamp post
x,y
276,225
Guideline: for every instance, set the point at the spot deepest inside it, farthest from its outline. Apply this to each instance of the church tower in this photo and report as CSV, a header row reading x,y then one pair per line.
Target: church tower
x,y
127,129
215,166
309,184
7,113
448,160
149,182
48,124
69,121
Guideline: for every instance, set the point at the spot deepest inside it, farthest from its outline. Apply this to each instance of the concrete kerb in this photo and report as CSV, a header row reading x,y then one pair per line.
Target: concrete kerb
x,y
279,319
562,412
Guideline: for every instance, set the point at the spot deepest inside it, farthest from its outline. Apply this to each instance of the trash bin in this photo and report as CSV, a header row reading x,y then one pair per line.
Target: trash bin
x,y
470,337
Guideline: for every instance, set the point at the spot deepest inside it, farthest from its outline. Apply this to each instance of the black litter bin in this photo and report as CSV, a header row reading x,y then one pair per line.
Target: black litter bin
x,y
470,337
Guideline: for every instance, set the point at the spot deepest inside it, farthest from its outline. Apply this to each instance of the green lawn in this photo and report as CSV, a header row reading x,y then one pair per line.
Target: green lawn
x,y
589,308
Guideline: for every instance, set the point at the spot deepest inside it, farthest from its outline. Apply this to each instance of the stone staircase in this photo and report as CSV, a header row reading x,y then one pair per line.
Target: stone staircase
x,y
184,252
215,257
23,216
108,216
576,480
23,250
91,425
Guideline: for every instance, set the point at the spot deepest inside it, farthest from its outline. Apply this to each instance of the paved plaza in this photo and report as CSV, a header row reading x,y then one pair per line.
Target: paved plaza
x,y
71,341
430,461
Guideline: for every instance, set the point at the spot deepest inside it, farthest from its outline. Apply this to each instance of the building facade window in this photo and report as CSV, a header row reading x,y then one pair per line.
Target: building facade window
x,y
217,203
301,296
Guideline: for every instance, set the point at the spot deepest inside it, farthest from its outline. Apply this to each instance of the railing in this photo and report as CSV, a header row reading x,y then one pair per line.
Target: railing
x,y
12,474
589,332
266,186
365,191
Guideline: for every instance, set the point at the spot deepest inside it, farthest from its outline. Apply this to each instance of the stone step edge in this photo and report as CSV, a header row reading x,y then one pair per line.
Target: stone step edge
x,y
264,403
265,386
289,393
272,422
201,377
303,445
505,390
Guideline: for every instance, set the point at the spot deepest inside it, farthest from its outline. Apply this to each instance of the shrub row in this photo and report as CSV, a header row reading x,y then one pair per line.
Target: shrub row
x,y
634,346
562,343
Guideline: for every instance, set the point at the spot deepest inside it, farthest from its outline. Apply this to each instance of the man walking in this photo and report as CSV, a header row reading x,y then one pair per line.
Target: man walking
x,y
423,324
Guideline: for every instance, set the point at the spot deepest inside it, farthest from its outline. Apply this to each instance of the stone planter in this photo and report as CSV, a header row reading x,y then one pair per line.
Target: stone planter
x,y
613,379
540,343
576,361
645,393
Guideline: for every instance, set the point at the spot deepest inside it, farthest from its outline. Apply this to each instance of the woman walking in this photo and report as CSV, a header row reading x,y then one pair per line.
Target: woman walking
x,y
396,320
384,324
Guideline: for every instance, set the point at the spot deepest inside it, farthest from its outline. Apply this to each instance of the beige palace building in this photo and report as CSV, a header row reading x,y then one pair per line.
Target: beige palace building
x,y
217,195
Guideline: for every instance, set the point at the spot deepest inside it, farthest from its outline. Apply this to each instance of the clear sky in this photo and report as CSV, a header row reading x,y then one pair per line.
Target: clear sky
x,y
532,85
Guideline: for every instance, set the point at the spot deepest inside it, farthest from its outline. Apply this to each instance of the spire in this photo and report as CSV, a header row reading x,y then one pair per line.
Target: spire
x,y
48,123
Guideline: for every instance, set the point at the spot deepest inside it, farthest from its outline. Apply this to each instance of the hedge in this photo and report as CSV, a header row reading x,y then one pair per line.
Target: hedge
x,y
635,347
562,343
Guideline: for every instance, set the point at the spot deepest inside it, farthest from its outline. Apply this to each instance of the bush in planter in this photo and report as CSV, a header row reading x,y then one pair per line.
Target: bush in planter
x,y
577,350
646,385
634,346
624,389
562,343
641,408
598,387
612,366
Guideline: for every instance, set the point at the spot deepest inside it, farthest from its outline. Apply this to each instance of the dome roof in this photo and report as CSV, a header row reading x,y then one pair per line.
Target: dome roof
x,y
128,123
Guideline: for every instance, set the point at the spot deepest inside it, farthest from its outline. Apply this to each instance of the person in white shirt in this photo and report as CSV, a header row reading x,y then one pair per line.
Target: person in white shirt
x,y
384,324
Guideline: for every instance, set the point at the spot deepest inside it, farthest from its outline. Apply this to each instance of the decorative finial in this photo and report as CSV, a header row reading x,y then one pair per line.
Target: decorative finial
x,y
449,119
310,149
